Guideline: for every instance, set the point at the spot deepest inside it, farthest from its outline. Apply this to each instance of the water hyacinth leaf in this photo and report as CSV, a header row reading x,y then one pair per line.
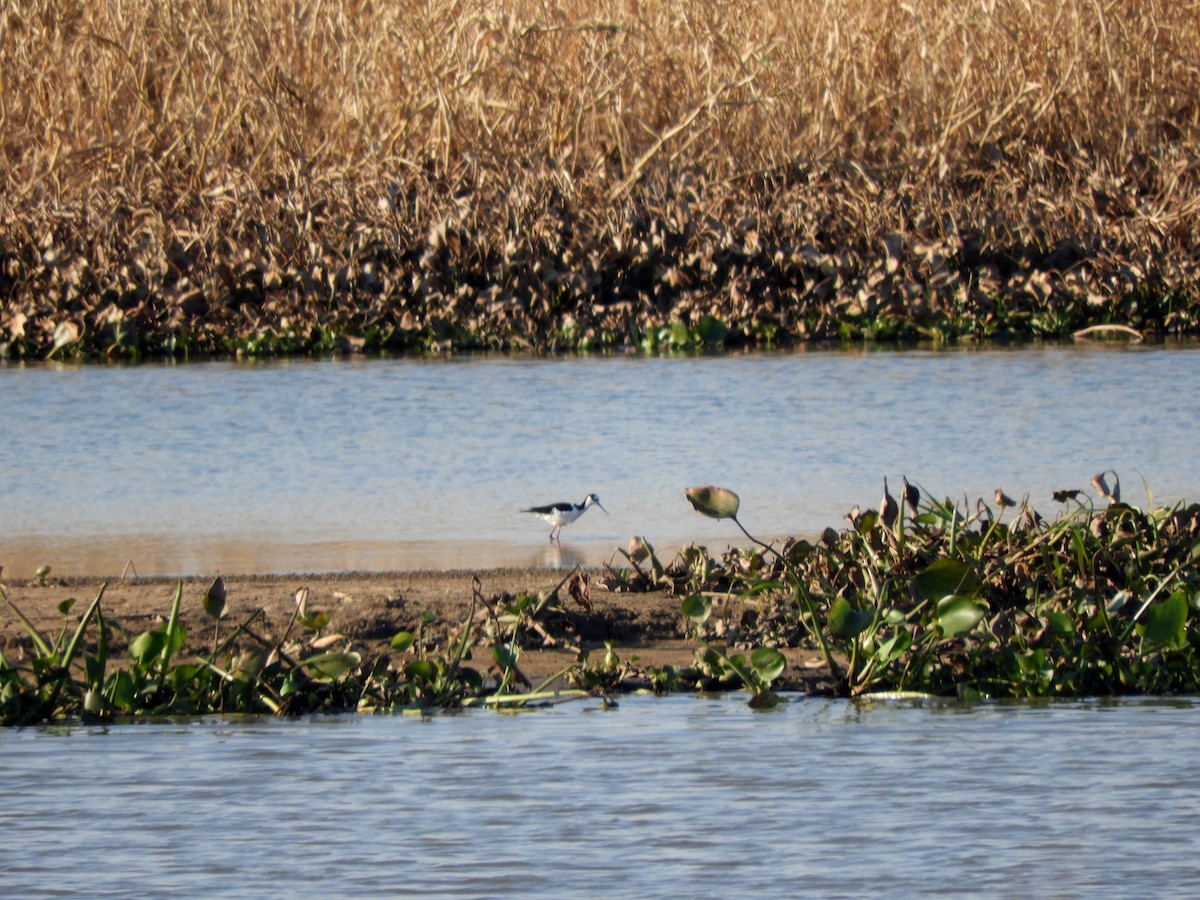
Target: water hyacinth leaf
x,y
1165,622
121,690
247,664
845,621
316,621
1060,624
402,641
506,656
958,615
214,599
332,665
893,648
712,331
866,523
766,700
714,502
420,670
697,608
75,642
147,645
768,662
680,336
176,637
93,670
944,577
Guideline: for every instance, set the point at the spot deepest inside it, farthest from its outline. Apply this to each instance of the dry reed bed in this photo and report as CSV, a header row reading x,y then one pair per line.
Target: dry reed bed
x,y
278,177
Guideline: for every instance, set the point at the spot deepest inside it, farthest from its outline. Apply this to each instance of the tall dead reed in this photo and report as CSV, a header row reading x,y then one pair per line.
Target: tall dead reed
x,y
182,137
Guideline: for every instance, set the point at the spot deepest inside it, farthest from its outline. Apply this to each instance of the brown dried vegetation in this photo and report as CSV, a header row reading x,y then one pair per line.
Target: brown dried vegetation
x,y
227,176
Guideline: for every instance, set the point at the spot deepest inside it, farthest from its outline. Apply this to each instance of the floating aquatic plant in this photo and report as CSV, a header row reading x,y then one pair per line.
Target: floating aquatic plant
x,y
1097,601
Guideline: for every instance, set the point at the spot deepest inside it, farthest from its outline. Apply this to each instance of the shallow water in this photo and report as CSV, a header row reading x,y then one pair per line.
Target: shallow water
x,y
380,464
671,797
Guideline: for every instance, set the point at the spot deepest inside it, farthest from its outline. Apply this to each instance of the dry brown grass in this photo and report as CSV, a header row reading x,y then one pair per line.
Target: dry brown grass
x,y
195,94
218,132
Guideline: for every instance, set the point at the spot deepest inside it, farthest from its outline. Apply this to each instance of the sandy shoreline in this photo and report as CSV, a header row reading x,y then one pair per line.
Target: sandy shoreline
x,y
368,608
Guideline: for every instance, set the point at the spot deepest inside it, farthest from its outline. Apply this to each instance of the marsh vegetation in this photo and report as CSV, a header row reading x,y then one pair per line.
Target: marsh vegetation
x,y
267,178
924,596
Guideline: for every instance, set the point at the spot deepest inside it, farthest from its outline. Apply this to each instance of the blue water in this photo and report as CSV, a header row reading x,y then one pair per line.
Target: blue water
x,y
385,464
671,797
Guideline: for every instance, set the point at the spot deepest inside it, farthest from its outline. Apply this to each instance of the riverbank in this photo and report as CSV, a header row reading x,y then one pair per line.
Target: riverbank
x,y
993,602
575,176
367,609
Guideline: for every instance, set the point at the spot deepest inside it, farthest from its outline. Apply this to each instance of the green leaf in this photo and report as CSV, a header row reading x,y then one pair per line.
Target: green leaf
x,y
147,645
65,606
421,670
505,656
402,641
958,615
765,700
893,648
247,664
174,632
93,671
332,665
1060,624
698,608
845,621
121,690
712,330
316,621
1165,622
944,577
73,644
768,663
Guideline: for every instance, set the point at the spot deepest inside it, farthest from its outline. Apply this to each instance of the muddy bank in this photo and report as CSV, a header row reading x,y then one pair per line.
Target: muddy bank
x,y
368,608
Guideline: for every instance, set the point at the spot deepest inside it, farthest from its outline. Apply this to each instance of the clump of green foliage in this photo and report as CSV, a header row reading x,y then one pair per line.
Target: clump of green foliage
x,y
1101,600
74,674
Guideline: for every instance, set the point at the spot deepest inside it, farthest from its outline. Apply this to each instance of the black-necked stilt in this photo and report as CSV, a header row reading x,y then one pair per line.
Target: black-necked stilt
x,y
560,514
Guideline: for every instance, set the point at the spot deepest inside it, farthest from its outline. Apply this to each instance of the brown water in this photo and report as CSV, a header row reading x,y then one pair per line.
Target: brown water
x,y
384,464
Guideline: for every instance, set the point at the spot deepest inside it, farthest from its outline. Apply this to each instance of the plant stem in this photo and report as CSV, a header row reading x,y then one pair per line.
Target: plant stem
x,y
818,626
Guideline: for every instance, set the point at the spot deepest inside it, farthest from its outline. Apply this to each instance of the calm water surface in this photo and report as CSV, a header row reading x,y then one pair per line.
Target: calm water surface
x,y
381,464
672,797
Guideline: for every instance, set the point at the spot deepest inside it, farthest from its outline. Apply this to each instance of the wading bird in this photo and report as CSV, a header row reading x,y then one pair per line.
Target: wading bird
x,y
560,514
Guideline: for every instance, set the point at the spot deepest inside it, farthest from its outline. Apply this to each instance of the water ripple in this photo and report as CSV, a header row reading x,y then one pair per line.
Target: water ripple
x,y
658,798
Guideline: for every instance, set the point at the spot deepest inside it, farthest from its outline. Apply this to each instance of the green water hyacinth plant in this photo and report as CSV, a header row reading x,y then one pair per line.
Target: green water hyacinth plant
x,y
76,674
958,600
722,503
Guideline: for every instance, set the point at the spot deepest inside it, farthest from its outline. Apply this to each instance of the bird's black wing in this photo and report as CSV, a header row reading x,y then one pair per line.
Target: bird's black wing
x,y
546,510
